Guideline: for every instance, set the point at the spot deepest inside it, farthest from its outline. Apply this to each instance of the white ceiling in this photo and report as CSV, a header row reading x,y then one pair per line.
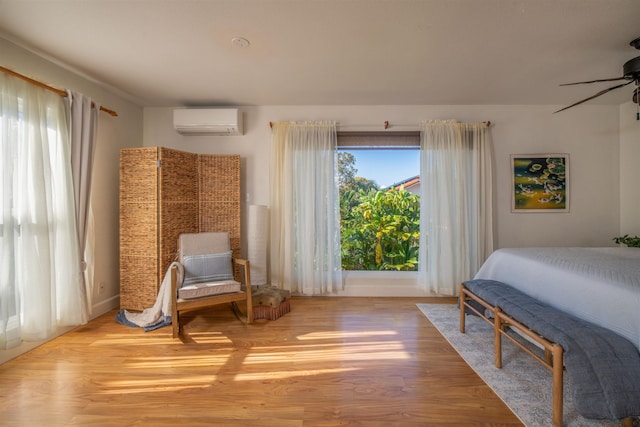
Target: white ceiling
x,y
335,52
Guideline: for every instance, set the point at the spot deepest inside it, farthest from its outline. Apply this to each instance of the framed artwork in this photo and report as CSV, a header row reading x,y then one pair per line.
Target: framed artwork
x,y
540,183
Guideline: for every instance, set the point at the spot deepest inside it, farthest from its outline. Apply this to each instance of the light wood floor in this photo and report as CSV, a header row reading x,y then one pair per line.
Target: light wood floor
x,y
329,362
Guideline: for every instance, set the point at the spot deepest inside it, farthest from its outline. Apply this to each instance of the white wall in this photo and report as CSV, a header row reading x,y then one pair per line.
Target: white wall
x,y
113,133
589,134
629,160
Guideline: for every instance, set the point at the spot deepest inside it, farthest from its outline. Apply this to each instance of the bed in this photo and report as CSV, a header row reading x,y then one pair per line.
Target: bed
x,y
599,285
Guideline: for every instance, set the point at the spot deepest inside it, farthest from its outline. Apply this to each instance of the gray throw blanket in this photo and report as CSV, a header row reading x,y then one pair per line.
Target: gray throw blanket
x,y
160,314
603,367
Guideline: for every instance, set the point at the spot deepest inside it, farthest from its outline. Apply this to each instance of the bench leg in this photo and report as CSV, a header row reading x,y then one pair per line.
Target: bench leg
x,y
497,336
558,367
461,302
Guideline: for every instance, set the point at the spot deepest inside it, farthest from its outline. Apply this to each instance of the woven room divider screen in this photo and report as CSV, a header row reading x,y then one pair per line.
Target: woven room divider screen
x,y
163,193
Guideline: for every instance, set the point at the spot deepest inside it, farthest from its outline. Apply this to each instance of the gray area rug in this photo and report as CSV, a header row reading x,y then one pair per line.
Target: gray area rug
x,y
522,383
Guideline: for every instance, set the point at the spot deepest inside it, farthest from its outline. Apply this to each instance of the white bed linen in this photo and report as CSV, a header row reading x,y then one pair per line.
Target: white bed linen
x,y
599,285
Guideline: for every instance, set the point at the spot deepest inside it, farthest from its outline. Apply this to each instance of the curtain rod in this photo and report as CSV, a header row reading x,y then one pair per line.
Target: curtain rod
x,y
50,88
386,124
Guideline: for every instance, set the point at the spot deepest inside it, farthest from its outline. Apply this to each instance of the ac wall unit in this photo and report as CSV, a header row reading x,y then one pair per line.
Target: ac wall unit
x,y
207,121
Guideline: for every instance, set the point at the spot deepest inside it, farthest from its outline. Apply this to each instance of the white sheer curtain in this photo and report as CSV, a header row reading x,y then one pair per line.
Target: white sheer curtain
x,y
456,203
305,213
84,128
40,277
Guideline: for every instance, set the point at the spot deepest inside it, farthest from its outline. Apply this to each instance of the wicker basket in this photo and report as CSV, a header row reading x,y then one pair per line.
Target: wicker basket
x,y
271,303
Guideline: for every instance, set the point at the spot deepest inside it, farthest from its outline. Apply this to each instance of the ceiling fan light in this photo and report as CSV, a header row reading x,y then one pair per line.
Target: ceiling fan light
x,y
631,68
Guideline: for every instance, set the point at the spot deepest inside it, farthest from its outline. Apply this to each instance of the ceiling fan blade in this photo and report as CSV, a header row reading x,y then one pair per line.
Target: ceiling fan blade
x,y
594,81
602,92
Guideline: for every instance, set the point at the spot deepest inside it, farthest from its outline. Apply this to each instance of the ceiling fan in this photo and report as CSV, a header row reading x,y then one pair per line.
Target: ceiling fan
x,y
630,72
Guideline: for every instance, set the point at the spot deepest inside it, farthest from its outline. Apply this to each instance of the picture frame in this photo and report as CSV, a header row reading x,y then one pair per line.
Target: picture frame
x,y
540,182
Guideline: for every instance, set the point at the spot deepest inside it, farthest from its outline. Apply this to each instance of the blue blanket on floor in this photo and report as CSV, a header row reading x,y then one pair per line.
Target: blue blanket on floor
x,y
603,367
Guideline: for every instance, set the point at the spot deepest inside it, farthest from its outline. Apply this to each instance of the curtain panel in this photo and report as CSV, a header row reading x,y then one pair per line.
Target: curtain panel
x,y
305,220
40,279
84,128
456,203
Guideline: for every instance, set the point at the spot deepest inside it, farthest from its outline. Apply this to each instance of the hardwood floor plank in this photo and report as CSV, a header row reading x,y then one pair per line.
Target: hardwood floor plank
x,y
329,362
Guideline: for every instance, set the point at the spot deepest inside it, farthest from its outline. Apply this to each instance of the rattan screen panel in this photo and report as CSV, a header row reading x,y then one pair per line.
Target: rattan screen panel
x,y
178,202
219,194
139,266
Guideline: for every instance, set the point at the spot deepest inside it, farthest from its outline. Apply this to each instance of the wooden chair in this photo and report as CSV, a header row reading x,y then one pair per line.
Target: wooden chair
x,y
208,277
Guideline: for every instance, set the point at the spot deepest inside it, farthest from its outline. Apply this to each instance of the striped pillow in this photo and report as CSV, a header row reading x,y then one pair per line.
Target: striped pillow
x,y
207,268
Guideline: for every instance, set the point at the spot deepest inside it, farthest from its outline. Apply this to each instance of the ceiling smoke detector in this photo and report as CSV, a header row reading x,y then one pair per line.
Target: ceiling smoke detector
x,y
240,42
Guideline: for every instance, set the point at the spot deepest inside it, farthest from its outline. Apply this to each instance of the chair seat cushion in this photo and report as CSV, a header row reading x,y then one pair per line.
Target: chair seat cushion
x,y
199,290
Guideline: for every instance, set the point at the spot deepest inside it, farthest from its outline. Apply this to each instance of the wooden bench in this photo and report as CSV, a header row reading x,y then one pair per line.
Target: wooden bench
x,y
501,321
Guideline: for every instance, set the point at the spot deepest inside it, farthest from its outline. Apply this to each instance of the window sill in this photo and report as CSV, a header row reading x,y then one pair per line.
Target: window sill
x,y
382,284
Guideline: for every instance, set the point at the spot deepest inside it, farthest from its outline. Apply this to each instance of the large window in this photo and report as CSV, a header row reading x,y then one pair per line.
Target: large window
x,y
379,180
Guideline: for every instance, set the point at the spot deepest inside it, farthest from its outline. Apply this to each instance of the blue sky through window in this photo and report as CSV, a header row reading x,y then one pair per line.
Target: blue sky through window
x,y
387,167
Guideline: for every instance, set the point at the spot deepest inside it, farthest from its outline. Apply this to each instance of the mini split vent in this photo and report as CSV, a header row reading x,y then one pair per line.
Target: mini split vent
x,y
208,121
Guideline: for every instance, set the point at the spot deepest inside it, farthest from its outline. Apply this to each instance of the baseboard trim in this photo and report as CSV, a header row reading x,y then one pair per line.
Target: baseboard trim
x,y
105,306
